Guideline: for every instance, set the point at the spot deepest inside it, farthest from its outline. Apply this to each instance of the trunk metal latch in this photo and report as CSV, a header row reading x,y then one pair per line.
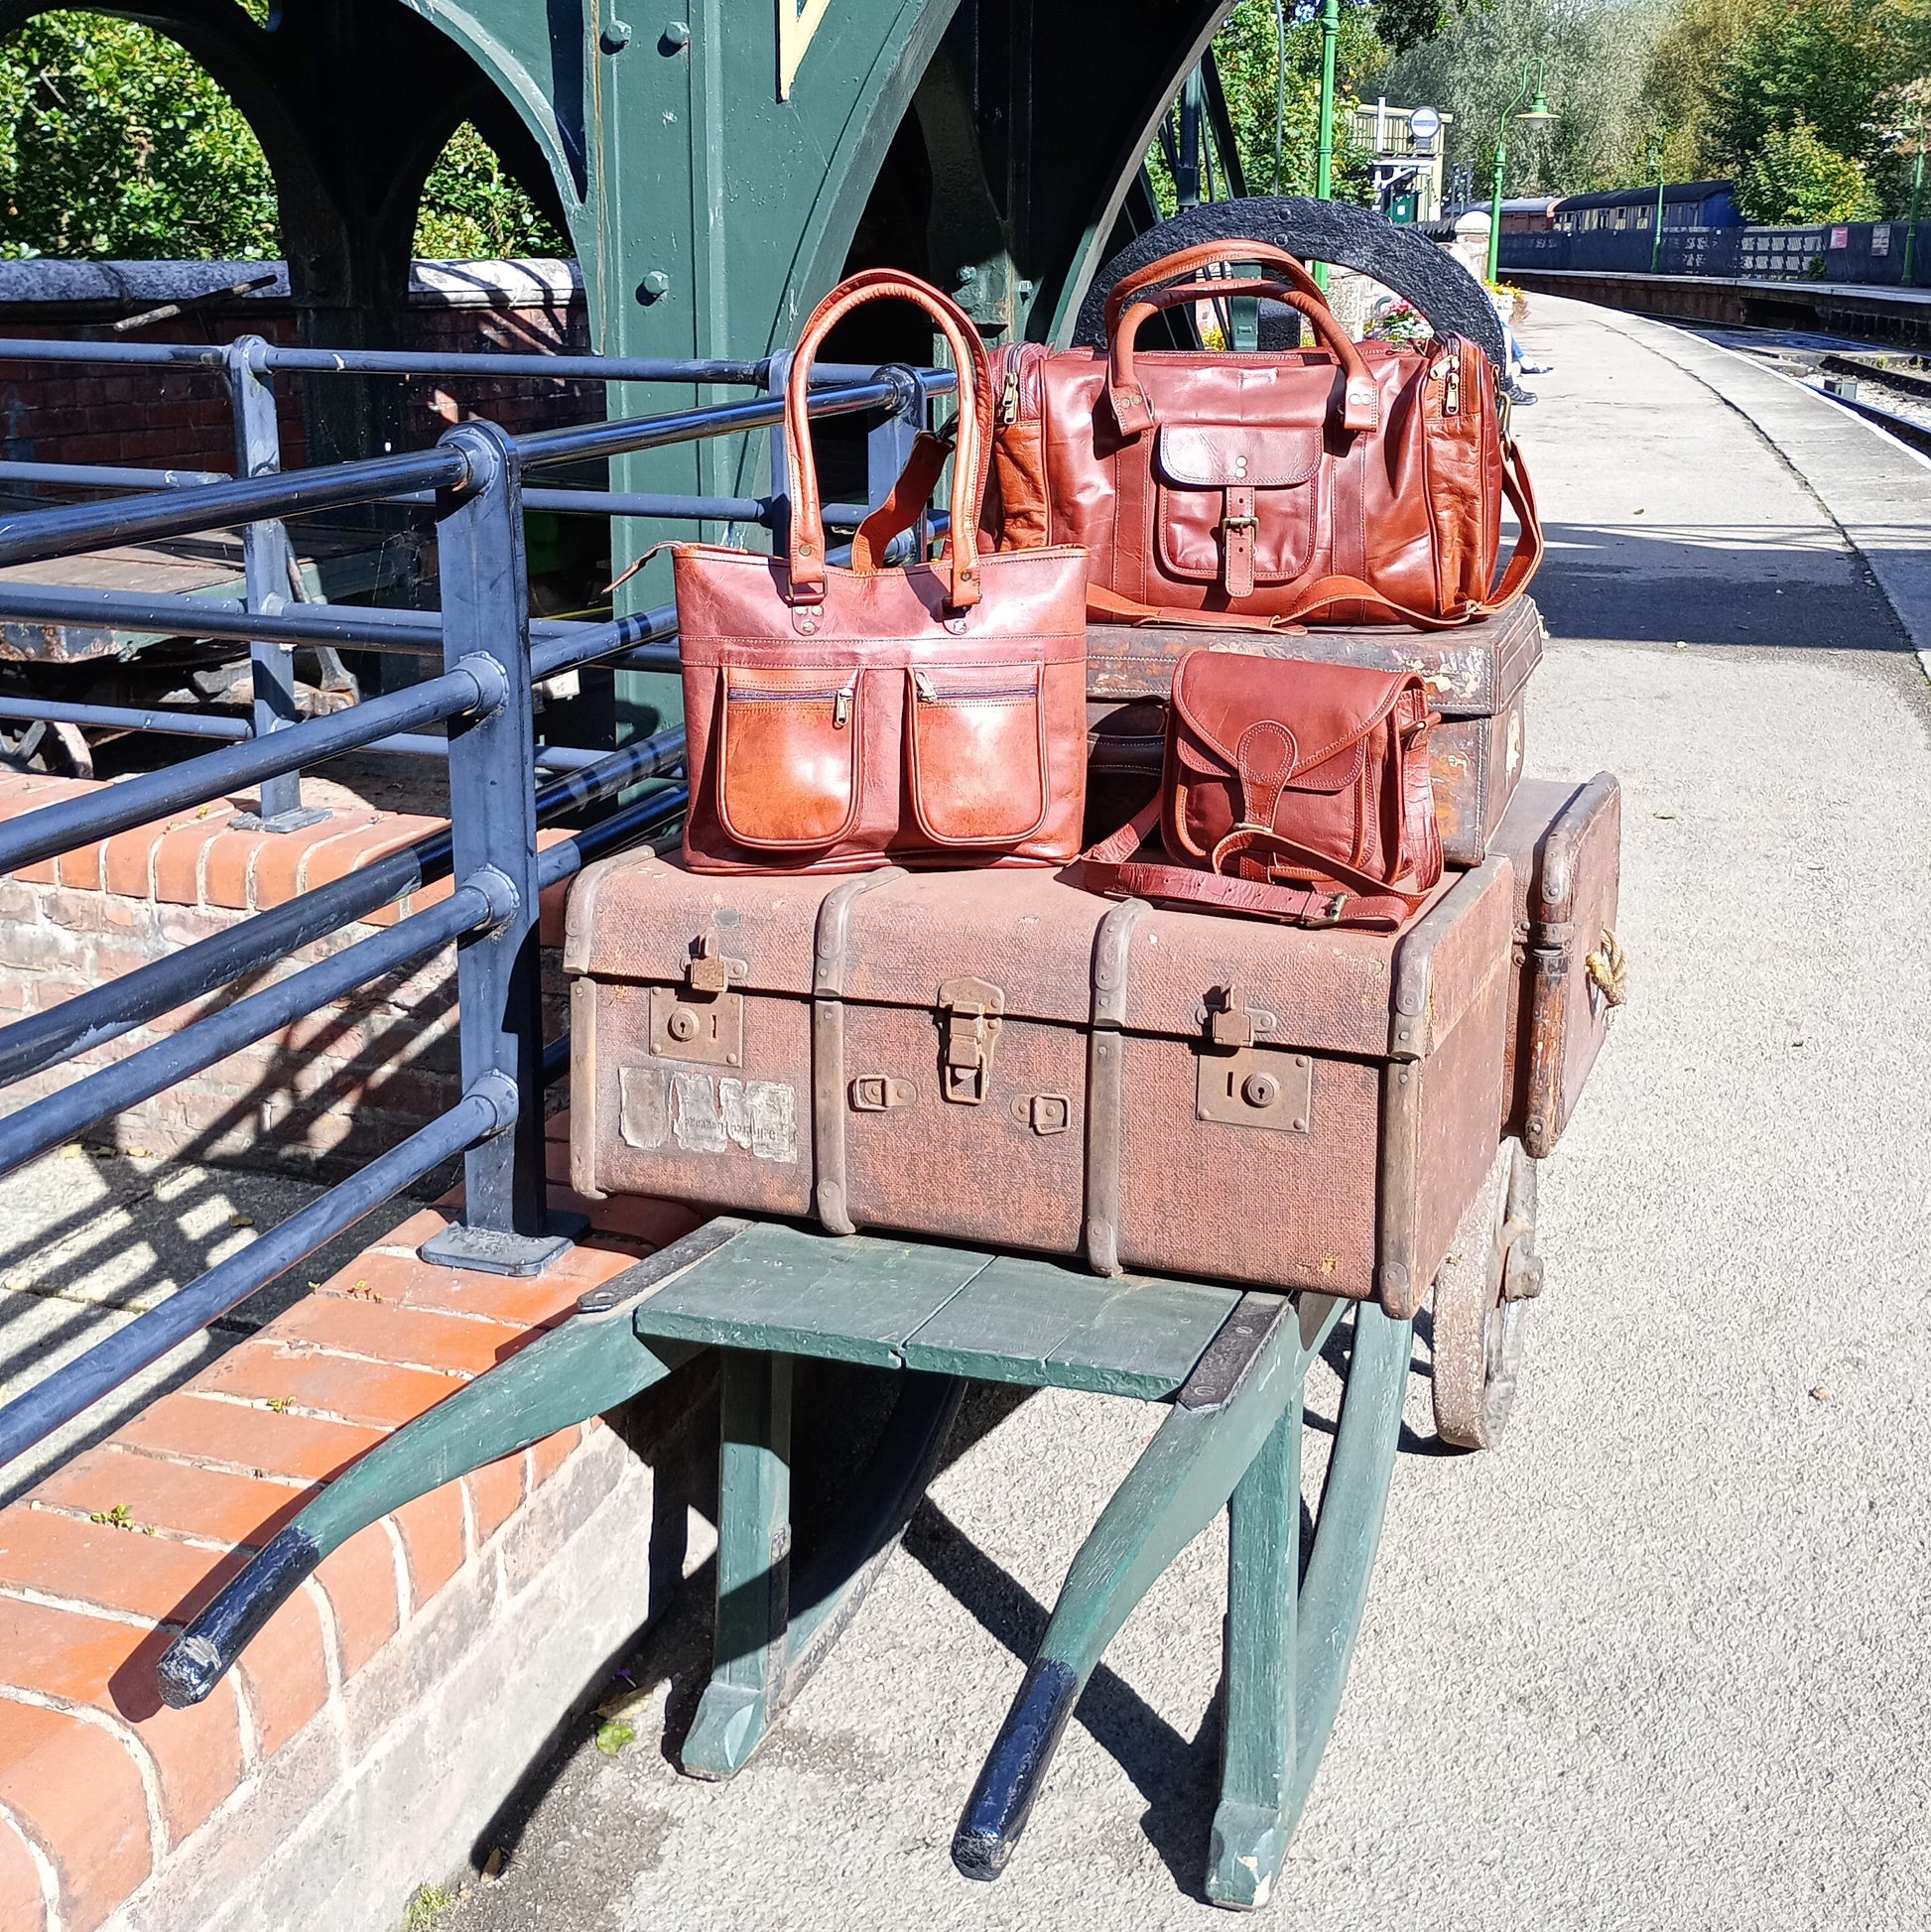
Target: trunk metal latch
x,y
703,1021
972,1012
1241,1084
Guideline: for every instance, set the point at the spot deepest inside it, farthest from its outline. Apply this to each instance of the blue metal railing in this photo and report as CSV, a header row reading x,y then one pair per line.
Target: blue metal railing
x,y
267,619
493,655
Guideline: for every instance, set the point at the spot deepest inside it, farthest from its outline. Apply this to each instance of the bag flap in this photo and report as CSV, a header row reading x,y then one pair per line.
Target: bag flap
x,y
1329,708
1222,456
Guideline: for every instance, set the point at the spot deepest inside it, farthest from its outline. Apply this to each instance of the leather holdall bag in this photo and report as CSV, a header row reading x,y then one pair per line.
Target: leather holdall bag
x,y
1292,791
1350,484
842,719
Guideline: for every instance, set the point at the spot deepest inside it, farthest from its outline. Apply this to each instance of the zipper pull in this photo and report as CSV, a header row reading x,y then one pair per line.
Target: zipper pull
x,y
842,708
927,690
1452,389
1009,407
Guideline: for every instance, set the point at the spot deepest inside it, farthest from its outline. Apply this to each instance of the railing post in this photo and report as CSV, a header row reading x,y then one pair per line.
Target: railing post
x,y
888,449
265,555
505,1227
777,374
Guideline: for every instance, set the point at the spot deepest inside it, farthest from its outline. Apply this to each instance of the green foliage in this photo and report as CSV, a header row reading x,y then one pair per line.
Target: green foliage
x,y
473,211
1822,66
114,142
427,1905
1247,51
1593,54
1795,176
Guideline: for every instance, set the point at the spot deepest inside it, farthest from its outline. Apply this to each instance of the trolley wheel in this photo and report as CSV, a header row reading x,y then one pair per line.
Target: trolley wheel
x,y
1479,1305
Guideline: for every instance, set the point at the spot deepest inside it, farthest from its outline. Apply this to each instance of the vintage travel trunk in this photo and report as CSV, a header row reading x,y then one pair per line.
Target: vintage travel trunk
x,y
1565,842
1476,678
1003,1058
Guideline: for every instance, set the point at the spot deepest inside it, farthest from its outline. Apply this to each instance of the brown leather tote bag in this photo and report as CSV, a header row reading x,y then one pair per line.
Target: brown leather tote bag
x,y
845,718
1351,483
1292,791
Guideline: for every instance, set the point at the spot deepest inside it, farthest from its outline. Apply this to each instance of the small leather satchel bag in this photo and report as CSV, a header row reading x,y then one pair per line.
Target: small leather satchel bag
x,y
842,719
1292,791
1351,483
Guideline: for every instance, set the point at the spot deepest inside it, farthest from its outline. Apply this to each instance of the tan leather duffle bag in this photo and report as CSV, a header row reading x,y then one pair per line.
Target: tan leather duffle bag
x,y
845,718
1350,484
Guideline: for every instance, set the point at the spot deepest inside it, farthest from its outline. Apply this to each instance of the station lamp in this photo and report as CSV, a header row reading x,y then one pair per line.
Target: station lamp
x,y
1535,113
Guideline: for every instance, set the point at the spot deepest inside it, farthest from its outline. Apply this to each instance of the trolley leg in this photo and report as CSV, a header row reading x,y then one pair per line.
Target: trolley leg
x,y
1288,1659
754,1566
1257,1755
1248,1377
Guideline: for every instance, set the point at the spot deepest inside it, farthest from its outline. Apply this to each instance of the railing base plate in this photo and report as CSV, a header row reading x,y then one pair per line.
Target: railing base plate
x,y
299,820
488,1250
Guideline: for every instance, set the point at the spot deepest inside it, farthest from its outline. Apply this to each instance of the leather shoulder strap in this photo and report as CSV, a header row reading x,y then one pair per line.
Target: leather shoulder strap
x,y
1111,870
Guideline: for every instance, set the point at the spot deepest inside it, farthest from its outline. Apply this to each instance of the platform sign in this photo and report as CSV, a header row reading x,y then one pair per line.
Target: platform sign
x,y
1424,124
797,21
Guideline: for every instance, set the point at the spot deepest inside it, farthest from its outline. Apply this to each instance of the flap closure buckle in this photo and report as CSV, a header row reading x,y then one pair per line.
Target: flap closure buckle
x,y
972,1012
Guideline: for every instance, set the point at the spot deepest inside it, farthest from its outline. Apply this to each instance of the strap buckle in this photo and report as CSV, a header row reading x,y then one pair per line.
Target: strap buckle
x,y
1240,523
1328,914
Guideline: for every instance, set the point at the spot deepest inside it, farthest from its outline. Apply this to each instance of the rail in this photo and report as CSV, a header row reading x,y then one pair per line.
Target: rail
x,y
492,658
268,618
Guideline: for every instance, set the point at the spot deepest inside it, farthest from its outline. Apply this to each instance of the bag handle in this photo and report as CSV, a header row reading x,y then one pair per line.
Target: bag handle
x,y
1111,870
806,541
1360,402
1185,264
1105,606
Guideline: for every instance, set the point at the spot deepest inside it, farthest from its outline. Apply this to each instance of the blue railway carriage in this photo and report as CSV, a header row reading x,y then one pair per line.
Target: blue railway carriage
x,y
1614,229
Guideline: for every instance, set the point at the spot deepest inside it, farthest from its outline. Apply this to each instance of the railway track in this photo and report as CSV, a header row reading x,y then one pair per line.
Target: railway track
x,y
1890,390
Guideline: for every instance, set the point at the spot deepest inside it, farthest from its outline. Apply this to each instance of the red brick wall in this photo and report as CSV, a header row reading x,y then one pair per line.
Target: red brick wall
x,y
167,418
325,1092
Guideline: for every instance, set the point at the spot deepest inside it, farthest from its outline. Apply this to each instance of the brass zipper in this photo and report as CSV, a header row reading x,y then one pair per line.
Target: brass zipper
x,y
839,699
930,694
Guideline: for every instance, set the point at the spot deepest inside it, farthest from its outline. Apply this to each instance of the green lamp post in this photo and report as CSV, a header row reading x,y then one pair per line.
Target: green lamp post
x,y
1658,158
1535,112
1324,152
1910,227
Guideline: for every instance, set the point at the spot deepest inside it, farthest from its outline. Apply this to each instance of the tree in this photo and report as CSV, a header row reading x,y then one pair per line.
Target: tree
x,y
1823,65
1795,176
1678,87
473,211
1593,54
1247,51
114,142
117,142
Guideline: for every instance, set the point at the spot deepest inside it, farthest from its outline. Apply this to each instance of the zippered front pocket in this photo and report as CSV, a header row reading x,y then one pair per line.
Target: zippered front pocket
x,y
790,755
977,747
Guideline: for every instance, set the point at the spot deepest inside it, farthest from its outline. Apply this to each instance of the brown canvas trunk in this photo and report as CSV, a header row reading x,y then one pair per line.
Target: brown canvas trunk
x,y
1477,678
1006,1059
1565,841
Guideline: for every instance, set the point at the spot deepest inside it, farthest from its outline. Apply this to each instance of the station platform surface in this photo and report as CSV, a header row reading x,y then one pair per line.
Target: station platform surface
x,y
1656,1662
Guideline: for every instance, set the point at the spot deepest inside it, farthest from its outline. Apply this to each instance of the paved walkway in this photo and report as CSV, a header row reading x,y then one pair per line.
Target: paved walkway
x,y
1658,1662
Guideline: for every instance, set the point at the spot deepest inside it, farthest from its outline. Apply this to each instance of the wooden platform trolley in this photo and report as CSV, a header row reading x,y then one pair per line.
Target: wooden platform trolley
x,y
1232,1366
691,992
